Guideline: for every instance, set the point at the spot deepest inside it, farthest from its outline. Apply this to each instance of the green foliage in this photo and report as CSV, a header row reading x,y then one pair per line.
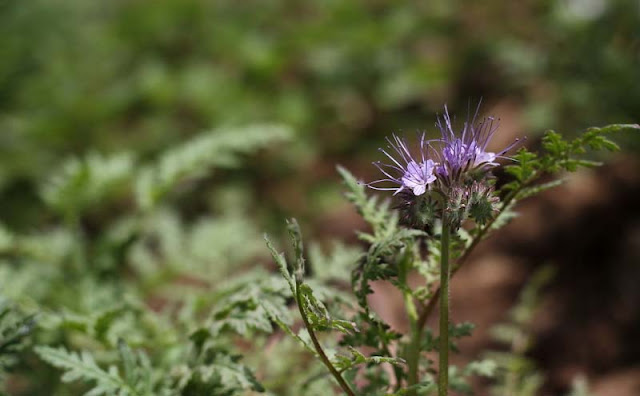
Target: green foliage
x,y
344,363
529,168
82,366
216,149
82,183
146,75
559,154
389,247
15,328
166,304
374,212
335,262
137,276
213,370
317,318
459,378
252,306
385,243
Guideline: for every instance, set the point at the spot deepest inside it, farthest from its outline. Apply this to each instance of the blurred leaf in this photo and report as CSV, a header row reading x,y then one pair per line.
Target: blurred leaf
x,y
191,160
82,183
82,366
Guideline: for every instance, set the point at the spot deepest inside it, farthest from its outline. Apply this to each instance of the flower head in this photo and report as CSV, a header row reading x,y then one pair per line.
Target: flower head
x,y
466,151
449,178
407,172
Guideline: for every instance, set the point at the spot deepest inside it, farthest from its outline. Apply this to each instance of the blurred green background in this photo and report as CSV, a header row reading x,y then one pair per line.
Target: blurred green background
x,y
141,77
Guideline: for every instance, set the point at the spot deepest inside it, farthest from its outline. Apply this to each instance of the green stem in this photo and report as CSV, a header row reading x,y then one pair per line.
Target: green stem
x,y
413,354
323,356
428,309
443,373
413,351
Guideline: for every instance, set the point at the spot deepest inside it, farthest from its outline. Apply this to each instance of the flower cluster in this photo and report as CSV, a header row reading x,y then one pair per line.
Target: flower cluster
x,y
448,177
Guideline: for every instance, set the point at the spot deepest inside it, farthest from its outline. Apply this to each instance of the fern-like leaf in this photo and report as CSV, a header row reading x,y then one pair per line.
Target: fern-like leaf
x,y
221,148
82,366
80,183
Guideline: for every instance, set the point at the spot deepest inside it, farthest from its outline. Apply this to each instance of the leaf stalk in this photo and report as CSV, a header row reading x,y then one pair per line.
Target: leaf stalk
x,y
323,356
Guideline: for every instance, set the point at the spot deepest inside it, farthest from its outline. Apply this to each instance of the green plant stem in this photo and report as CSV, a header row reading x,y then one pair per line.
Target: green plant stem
x,y
428,309
413,354
323,356
413,351
443,357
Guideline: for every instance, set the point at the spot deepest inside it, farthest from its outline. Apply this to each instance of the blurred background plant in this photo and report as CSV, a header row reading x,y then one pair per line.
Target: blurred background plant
x,y
115,204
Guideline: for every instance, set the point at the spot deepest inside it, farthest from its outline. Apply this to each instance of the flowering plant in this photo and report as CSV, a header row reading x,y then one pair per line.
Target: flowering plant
x,y
456,186
175,326
447,204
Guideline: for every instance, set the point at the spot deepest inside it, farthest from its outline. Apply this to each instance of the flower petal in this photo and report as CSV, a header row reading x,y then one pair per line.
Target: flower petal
x,y
419,189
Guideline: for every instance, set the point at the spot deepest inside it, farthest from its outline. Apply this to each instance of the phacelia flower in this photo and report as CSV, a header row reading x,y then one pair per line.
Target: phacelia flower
x,y
448,178
467,151
407,172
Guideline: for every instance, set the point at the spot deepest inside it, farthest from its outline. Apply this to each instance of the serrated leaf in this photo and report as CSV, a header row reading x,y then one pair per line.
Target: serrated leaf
x,y
223,375
282,264
335,264
233,376
459,330
296,237
615,128
82,366
128,361
319,316
377,214
343,363
251,307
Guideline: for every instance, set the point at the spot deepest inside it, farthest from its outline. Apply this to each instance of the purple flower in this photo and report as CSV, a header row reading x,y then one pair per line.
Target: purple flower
x,y
406,171
467,151
442,165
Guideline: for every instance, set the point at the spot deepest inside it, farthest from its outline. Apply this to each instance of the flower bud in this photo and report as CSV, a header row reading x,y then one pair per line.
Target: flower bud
x,y
482,203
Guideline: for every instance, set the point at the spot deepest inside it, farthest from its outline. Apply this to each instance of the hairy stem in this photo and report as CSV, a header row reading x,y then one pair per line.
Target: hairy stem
x,y
413,356
323,356
443,357
428,309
